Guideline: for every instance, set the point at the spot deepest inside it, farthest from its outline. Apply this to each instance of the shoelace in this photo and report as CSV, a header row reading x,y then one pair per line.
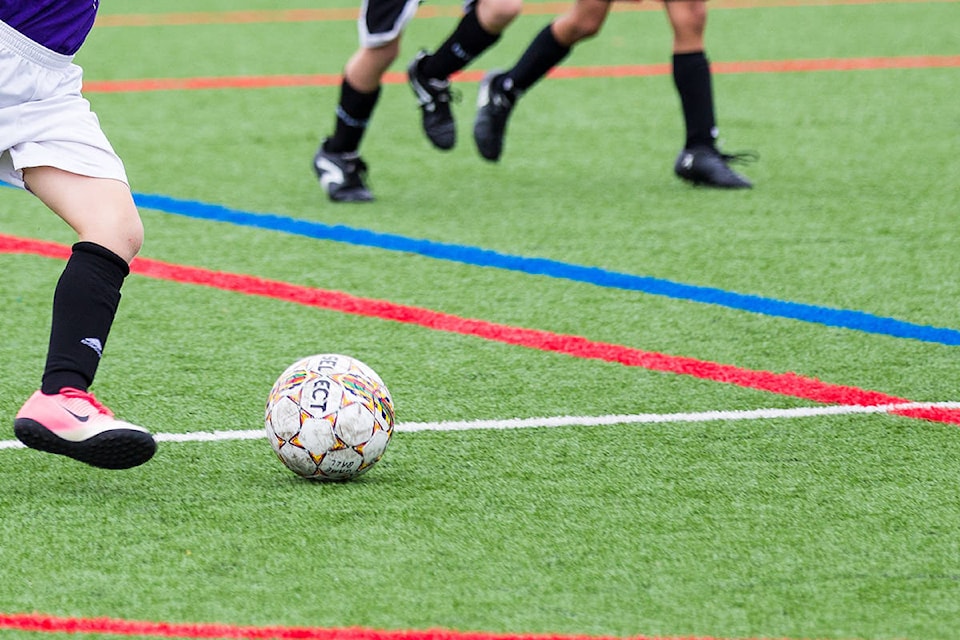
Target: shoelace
x,y
86,396
360,166
445,93
740,157
355,174
501,102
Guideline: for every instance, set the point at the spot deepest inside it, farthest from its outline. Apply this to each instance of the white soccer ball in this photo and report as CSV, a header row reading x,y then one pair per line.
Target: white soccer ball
x,y
329,417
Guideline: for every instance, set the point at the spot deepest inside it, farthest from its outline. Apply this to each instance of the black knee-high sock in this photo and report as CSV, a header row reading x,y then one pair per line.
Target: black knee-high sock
x,y
84,305
353,115
466,42
543,54
691,76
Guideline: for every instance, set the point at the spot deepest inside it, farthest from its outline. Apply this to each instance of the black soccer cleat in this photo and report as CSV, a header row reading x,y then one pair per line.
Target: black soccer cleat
x,y
706,166
434,96
493,110
342,176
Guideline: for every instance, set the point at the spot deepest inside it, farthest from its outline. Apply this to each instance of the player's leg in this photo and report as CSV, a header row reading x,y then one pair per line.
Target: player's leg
x,y
583,20
63,417
100,210
499,91
359,93
495,15
429,73
339,167
700,162
341,171
691,69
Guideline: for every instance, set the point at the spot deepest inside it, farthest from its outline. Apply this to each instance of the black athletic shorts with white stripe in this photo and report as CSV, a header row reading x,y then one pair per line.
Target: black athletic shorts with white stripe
x,y
381,21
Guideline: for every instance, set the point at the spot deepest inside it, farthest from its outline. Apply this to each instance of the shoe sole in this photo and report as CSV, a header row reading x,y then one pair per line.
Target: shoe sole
x,y
444,138
699,182
113,449
351,196
489,150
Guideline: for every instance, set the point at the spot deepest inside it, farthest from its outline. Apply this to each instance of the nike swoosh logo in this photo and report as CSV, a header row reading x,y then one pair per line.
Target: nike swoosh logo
x,y
80,418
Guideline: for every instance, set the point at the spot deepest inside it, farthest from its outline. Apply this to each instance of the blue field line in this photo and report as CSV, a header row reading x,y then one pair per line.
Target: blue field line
x,y
856,320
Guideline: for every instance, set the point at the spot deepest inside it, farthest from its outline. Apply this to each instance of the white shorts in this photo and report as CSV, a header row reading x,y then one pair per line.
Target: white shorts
x,y
44,121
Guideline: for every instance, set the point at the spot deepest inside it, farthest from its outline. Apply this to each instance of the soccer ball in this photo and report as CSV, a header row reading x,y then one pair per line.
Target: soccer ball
x,y
329,417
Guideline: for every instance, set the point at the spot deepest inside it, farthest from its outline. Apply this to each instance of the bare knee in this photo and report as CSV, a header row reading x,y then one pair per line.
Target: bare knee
x,y
100,210
366,67
495,15
688,19
129,233
583,21
116,225
570,33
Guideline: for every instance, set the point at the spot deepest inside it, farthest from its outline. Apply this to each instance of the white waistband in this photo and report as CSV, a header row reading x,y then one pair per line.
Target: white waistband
x,y
33,51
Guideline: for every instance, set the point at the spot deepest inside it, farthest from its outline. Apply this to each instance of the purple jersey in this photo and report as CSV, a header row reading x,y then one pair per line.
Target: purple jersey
x,y
59,25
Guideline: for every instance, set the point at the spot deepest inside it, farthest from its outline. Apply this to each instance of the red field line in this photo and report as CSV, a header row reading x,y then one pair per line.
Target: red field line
x,y
112,626
616,71
787,384
430,11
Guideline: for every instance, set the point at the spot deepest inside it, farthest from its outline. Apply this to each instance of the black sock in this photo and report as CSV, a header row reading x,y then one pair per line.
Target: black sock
x,y
353,114
84,305
543,54
467,42
691,76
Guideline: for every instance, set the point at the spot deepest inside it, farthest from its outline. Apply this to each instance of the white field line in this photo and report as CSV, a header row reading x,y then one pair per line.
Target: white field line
x,y
576,421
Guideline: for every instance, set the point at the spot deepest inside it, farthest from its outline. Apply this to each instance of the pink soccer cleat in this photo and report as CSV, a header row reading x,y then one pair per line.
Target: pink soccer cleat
x,y
74,424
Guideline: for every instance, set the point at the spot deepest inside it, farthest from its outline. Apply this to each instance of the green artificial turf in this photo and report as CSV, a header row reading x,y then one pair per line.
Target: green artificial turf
x,y
827,527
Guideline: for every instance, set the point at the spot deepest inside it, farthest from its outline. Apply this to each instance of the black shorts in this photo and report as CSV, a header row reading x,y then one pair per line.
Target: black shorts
x,y
382,21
